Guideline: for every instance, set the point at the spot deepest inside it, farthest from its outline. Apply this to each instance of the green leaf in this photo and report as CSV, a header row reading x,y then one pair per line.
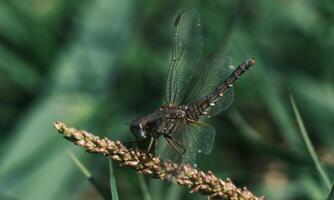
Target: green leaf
x,y
88,175
331,194
309,144
35,151
174,192
144,188
79,164
248,131
112,181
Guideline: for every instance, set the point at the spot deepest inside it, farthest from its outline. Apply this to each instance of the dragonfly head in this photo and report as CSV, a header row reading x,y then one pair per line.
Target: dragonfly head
x,y
137,127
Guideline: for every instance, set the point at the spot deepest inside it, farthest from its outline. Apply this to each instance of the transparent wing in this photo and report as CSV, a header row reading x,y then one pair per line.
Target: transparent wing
x,y
196,138
199,139
174,149
186,50
217,69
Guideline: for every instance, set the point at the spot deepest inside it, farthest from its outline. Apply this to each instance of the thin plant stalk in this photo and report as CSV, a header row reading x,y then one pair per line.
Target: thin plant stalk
x,y
144,188
173,193
331,194
88,175
309,144
112,182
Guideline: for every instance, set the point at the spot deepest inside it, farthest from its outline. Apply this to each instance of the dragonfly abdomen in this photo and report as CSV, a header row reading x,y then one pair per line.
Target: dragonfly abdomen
x,y
203,106
195,111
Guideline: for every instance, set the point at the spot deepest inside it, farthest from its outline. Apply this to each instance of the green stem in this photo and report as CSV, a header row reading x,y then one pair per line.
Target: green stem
x,y
113,186
309,145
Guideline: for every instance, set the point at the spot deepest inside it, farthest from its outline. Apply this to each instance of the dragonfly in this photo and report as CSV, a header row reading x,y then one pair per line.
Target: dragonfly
x,y
187,102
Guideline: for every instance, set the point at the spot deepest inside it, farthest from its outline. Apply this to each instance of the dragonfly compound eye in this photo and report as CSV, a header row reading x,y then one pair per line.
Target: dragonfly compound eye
x,y
138,130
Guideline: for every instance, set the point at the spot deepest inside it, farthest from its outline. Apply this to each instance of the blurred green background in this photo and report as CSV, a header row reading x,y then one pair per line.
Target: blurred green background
x,y
98,64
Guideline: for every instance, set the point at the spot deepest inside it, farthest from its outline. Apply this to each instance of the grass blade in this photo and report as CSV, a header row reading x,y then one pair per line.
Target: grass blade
x,y
277,108
249,132
79,164
174,192
144,188
309,145
156,189
331,194
88,175
113,186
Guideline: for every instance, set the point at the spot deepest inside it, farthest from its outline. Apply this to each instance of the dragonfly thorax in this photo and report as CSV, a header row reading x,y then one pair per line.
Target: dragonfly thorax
x,y
163,121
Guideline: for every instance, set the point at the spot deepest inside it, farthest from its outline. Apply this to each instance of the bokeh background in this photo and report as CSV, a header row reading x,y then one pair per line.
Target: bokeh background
x,y
98,64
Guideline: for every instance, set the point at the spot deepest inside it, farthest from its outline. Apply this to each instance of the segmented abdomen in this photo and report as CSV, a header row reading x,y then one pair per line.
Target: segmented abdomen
x,y
202,108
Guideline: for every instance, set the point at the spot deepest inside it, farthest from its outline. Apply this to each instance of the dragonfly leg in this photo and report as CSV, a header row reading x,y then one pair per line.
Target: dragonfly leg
x,y
148,145
152,145
198,122
178,147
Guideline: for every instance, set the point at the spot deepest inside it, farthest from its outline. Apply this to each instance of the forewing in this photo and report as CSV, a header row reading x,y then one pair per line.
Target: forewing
x,y
216,71
186,50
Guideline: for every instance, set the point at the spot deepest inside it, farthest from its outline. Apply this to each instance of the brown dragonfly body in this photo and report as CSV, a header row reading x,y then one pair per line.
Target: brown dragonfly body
x,y
180,123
